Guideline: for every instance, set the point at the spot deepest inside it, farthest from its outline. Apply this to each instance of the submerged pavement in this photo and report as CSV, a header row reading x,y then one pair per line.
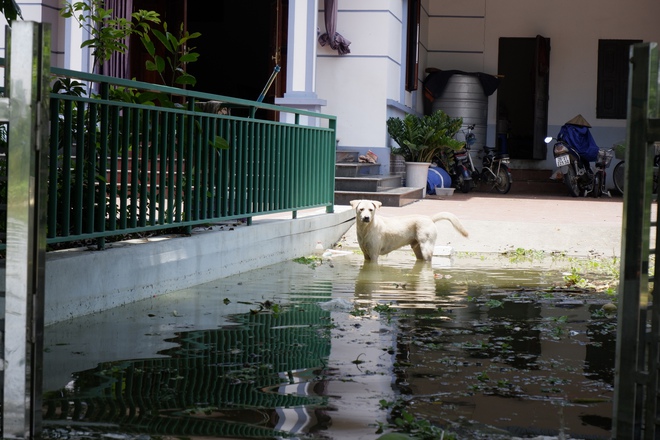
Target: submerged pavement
x,y
497,223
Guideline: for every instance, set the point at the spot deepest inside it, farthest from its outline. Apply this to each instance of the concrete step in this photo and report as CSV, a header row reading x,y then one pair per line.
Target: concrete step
x,y
355,180
367,183
346,156
400,196
356,169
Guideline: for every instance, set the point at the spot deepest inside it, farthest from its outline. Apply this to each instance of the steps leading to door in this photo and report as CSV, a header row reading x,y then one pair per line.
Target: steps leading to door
x,y
528,181
355,180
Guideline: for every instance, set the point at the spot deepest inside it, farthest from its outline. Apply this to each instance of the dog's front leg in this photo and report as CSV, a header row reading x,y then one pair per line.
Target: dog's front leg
x,y
371,257
417,249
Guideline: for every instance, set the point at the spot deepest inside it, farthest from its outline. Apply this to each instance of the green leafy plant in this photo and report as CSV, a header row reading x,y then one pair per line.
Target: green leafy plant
x,y
402,421
574,278
421,138
179,53
312,261
108,34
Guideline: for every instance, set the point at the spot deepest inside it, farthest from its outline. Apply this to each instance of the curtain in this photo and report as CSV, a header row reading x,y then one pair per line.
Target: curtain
x,y
331,36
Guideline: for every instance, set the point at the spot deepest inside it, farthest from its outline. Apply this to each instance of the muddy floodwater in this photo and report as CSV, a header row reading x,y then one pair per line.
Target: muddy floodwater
x,y
465,347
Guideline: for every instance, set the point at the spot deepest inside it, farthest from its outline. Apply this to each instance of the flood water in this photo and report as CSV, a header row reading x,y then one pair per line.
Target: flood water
x,y
464,348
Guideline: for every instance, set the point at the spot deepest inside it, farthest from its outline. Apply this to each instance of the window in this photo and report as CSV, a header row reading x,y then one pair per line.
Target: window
x,y
613,66
412,45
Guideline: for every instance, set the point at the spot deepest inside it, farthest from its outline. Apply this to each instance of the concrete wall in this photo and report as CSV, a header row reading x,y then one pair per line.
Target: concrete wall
x,y
83,282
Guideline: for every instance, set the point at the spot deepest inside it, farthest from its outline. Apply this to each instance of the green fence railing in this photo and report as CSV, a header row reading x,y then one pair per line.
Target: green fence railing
x,y
129,157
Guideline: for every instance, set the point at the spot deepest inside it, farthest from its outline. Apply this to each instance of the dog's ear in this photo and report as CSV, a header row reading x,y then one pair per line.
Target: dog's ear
x,y
377,204
354,203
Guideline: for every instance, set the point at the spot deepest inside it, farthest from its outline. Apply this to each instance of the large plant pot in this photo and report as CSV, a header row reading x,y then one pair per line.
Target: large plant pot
x,y
417,175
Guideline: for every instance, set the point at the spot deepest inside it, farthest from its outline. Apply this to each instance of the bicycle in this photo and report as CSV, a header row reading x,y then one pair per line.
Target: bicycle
x,y
619,173
495,171
618,176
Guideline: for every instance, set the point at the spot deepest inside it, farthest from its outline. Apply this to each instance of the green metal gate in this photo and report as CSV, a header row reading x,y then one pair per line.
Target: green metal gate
x,y
636,396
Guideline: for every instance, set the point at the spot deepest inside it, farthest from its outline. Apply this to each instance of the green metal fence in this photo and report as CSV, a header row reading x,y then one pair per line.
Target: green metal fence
x,y
636,412
130,157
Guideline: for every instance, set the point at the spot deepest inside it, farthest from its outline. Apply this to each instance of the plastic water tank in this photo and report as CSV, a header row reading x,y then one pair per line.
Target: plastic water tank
x,y
463,97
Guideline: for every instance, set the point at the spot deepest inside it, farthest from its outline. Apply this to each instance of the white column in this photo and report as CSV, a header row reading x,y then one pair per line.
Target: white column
x,y
301,59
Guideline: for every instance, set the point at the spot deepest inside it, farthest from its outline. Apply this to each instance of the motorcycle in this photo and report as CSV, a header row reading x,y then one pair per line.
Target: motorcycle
x,y
494,171
459,170
573,151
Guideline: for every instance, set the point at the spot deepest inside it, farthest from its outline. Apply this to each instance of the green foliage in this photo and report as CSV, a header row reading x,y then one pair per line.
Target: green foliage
x,y
108,34
179,53
420,139
403,422
68,86
10,9
574,278
520,255
312,261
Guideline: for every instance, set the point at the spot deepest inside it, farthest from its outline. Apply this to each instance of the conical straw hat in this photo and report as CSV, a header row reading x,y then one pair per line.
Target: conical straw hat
x,y
579,120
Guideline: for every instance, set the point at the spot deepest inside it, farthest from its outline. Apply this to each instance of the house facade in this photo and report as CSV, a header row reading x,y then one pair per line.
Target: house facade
x,y
551,60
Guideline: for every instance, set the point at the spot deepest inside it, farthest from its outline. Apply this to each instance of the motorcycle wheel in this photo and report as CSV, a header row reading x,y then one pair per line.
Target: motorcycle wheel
x,y
571,181
618,176
503,180
462,184
598,185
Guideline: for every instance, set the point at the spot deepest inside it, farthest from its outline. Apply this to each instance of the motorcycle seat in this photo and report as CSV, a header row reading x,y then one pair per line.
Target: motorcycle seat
x,y
498,155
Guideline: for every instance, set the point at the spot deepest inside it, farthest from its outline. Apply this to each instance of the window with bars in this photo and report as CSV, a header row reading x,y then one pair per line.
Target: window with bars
x,y
612,88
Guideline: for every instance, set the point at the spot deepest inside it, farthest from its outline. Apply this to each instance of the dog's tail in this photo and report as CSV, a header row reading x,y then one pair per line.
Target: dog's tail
x,y
453,219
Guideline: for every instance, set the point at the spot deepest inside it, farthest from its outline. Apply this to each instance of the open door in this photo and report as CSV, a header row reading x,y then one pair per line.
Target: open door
x,y
542,68
240,44
522,97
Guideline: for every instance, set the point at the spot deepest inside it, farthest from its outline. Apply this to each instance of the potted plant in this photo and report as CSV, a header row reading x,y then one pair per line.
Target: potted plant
x,y
421,138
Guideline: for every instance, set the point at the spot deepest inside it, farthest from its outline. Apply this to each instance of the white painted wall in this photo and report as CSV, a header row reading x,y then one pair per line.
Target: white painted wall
x,y
46,11
464,35
358,85
574,29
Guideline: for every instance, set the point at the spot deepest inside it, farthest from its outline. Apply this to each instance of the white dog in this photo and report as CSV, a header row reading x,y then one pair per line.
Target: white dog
x,y
381,235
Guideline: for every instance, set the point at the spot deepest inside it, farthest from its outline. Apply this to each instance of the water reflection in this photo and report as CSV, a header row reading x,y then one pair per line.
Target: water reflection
x,y
262,356
254,380
419,286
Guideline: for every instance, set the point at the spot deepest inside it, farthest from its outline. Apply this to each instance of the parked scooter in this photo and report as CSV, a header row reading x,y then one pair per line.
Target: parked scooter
x,y
460,171
573,151
494,171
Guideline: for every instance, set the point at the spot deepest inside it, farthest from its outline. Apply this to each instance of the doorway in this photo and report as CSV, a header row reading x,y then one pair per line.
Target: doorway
x,y
239,46
522,97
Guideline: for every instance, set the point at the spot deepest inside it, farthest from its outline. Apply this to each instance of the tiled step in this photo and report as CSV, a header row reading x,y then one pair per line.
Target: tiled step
x,y
367,183
400,196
